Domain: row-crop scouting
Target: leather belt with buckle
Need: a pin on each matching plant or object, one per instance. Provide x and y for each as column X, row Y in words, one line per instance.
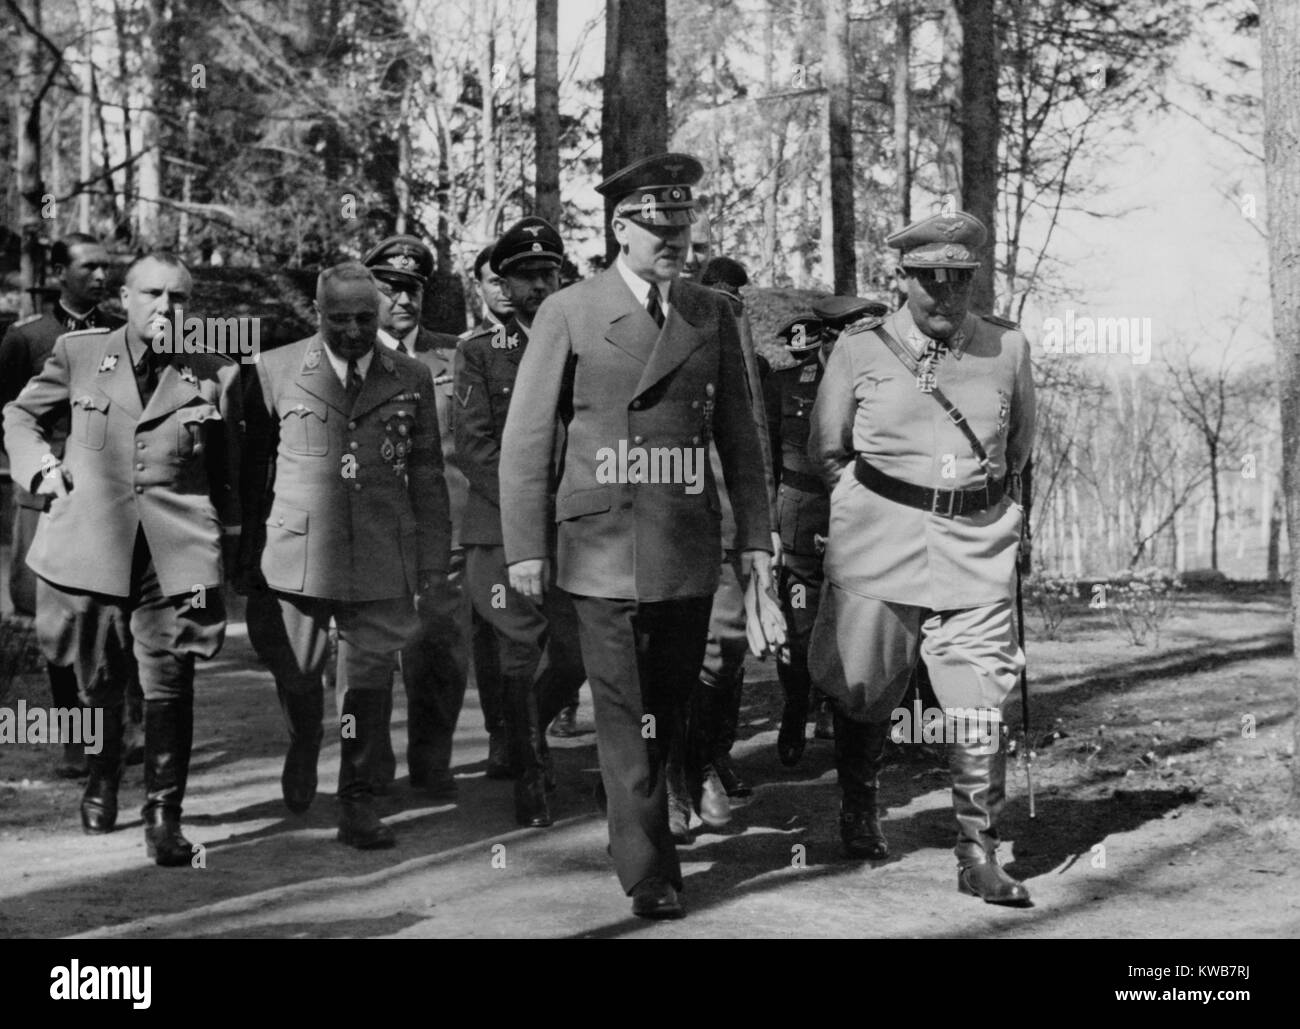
column 946, row 503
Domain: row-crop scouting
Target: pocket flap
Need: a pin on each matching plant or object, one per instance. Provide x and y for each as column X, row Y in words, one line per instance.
column 304, row 406
column 583, row 502
column 199, row 413
column 290, row 519
column 86, row 401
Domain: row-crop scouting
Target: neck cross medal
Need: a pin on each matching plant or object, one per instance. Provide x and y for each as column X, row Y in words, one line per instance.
column 925, row 373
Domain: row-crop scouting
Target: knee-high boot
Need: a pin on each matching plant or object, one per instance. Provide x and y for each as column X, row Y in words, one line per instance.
column 360, row 754
column 725, row 739
column 99, row 802
column 63, row 692
column 792, row 738
column 859, row 747
column 979, row 776
column 302, row 712
column 168, row 739
column 527, row 751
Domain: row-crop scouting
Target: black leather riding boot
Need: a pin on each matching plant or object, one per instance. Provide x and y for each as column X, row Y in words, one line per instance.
column 792, row 738
column 725, row 739
column 99, row 802
column 302, row 718
column 362, row 747
column 979, row 772
column 527, row 751
column 859, row 748
column 168, row 739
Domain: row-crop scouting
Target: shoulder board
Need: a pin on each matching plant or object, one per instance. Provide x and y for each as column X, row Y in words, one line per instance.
column 27, row 321
column 1004, row 322
column 98, row 330
column 866, row 324
column 482, row 332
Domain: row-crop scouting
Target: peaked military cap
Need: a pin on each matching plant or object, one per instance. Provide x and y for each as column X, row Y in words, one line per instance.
column 943, row 241
column 837, row 312
column 655, row 190
column 801, row 334
column 401, row 259
column 529, row 239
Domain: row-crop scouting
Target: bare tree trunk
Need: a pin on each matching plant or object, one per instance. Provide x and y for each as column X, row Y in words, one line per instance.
column 124, row 77
column 1279, row 35
column 87, row 117
column 1273, row 572
column 28, row 159
column 1216, row 504
column 150, row 192
column 902, row 110
column 487, row 124
column 979, row 132
column 950, row 91
column 634, row 121
column 402, row 180
column 775, row 153
column 839, row 108
column 548, row 111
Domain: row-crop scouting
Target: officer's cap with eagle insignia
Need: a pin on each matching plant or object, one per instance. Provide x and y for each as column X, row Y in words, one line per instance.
column 402, row 260
column 655, row 190
column 942, row 241
column 529, row 240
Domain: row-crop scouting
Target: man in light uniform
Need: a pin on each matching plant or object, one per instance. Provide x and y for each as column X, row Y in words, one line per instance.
column 922, row 425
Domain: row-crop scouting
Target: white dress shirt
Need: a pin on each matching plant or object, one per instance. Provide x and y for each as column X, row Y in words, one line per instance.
column 641, row 288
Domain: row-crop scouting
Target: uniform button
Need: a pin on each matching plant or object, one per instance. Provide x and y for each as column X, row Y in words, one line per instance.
column 281, row 521
column 357, row 487
column 636, row 405
column 695, row 403
column 695, row 440
column 139, row 467
column 139, row 489
column 638, row 439
column 352, row 425
column 140, row 445
column 353, row 444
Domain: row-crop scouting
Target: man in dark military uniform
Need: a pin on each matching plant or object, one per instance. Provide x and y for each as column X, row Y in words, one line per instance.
column 434, row 665
column 541, row 662
column 922, row 426
column 80, row 264
column 344, row 472
column 802, row 504
column 494, row 309
column 642, row 370
column 144, row 500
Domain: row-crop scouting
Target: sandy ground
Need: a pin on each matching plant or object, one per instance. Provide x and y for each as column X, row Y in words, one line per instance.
column 1156, row 817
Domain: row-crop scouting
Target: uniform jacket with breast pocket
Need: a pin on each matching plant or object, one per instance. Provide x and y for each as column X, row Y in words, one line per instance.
column 170, row 468
column 634, row 399
column 351, row 499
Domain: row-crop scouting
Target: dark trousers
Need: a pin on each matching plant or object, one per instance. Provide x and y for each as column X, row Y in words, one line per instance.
column 87, row 630
column 536, row 643
column 642, row 660
column 434, row 672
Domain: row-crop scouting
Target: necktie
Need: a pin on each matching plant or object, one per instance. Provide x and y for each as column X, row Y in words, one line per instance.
column 146, row 376
column 353, row 388
column 653, row 307
column 401, row 348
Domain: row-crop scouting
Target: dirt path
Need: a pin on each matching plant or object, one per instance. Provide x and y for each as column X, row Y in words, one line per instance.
column 1156, row 817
